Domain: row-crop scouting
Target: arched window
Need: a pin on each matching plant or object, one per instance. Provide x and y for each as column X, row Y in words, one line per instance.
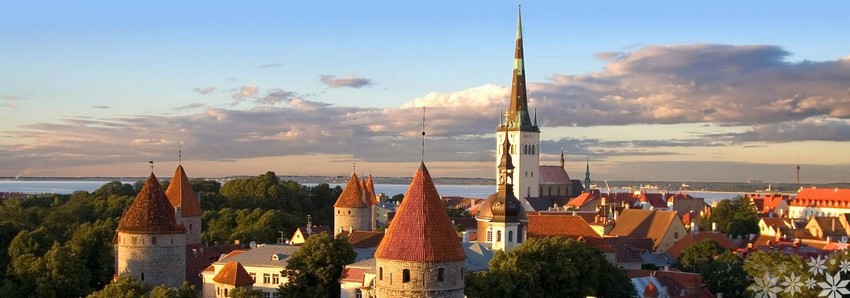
column 225, row 292
column 489, row 235
column 510, row 236
column 381, row 273
column 498, row 236
column 440, row 273
column 405, row 275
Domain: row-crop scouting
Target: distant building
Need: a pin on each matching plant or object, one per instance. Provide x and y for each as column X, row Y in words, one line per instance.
column 820, row 202
column 663, row 227
column 353, row 209
column 771, row 204
column 302, row 233
column 543, row 224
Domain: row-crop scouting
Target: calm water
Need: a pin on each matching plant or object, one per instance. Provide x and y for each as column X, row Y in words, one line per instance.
column 473, row 191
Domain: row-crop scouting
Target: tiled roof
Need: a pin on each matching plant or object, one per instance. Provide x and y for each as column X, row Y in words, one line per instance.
column 150, row 212
column 543, row 203
column 644, row 223
column 200, row 258
column 263, row 254
column 823, row 197
column 370, row 185
column 366, row 193
column 656, row 200
column 467, row 223
column 676, row 283
column 365, row 239
column 629, row 249
column 582, row 199
column 180, row 194
column 421, row 230
column 676, row 250
column 233, row 274
column 352, row 195
column 553, row 175
column 477, row 257
column 353, row 274
column 567, row 226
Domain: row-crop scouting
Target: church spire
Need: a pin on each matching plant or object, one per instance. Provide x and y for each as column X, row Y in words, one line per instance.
column 562, row 157
column 587, row 176
column 518, row 110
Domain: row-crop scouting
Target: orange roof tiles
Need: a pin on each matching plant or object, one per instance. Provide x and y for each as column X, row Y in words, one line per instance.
column 822, row 197
column 567, row 226
column 352, row 195
column 150, row 212
column 582, row 199
column 234, row 274
column 421, row 230
column 353, row 274
column 370, row 185
column 644, row 223
column 365, row 239
column 180, row 194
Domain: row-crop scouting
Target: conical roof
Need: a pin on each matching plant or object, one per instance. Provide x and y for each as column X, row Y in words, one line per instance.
column 233, row 273
column 421, row 230
column 180, row 194
column 352, row 195
column 370, row 184
column 150, row 213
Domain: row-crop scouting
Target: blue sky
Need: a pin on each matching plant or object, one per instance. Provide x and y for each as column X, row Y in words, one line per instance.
column 65, row 62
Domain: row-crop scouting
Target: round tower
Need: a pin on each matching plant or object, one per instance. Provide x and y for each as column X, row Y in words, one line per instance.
column 350, row 210
column 149, row 244
column 187, row 207
column 421, row 254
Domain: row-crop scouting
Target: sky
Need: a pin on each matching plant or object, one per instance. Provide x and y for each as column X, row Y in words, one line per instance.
column 648, row 90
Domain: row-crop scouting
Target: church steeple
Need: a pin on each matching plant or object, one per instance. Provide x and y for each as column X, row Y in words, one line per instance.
column 562, row 157
column 587, row 176
column 518, row 114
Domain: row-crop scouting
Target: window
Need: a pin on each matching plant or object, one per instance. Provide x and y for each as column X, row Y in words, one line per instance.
column 153, row 240
column 498, row 236
column 190, row 227
column 405, row 275
column 275, row 278
column 358, row 294
column 381, row 273
column 440, row 273
column 225, row 292
column 267, row 278
column 349, row 211
column 391, row 278
column 172, row 240
column 217, row 291
column 510, row 236
column 489, row 235
column 143, row 276
column 253, row 276
column 267, row 295
column 676, row 235
column 275, row 294
column 134, row 239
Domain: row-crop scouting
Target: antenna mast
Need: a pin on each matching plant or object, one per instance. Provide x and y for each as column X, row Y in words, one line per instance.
column 423, row 134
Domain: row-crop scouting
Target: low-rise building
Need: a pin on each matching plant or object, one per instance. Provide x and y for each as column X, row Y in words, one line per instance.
column 663, row 227
column 820, row 202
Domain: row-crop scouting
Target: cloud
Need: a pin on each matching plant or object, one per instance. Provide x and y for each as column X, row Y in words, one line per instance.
column 10, row 105
column 190, row 106
column 349, row 81
column 204, row 90
column 100, row 107
column 270, row 65
column 244, row 93
column 811, row 129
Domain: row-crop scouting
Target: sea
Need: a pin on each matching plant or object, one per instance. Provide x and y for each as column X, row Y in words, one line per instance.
column 469, row 191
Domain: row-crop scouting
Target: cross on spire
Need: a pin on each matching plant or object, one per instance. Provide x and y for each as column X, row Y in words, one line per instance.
column 151, row 165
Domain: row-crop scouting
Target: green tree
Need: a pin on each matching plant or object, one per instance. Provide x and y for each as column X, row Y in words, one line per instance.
column 721, row 271
column 162, row 291
column 241, row 292
column 778, row 264
column 125, row 287
column 699, row 254
column 314, row 270
column 737, row 216
column 550, row 267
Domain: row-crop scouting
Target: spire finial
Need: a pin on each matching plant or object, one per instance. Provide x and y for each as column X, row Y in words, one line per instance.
column 562, row 156
column 535, row 116
column 423, row 134
column 151, row 164
column 179, row 154
column 354, row 167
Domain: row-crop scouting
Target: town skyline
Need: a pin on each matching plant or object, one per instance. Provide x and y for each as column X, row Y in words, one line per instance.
column 725, row 97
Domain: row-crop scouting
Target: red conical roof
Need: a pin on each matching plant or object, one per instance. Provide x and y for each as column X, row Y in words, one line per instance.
column 180, row 194
column 352, row 195
column 234, row 274
column 370, row 184
column 421, row 229
column 150, row 213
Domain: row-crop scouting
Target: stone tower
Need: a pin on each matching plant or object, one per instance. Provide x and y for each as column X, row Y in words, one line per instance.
column 421, row 254
column 351, row 210
column 187, row 207
column 149, row 244
column 499, row 215
column 524, row 134
column 373, row 202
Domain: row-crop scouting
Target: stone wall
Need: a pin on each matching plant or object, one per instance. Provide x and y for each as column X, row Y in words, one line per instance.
column 193, row 229
column 152, row 258
column 358, row 218
column 423, row 282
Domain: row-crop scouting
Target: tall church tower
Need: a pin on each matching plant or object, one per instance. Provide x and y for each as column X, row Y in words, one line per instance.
column 524, row 135
column 420, row 254
column 187, row 208
column 150, row 245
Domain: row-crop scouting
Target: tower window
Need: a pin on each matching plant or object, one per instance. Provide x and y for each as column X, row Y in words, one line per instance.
column 405, row 275
column 143, row 276
column 381, row 273
column 498, row 236
column 190, row 227
column 510, row 236
column 153, row 240
column 440, row 273
column 489, row 235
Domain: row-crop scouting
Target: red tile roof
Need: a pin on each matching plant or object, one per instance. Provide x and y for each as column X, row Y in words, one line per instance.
column 352, row 195
column 553, row 175
column 567, row 226
column 644, row 223
column 766, row 202
column 582, row 199
column 823, row 197
column 180, row 194
column 353, row 274
column 676, row 282
column 365, row 239
column 676, row 250
column 370, row 185
column 234, row 274
column 421, row 230
column 367, row 194
column 150, row 212
column 656, row 200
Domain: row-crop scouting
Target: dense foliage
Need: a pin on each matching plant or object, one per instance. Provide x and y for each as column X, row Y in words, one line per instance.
column 721, row 270
column 737, row 216
column 61, row 245
column 550, row 267
column 314, row 270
